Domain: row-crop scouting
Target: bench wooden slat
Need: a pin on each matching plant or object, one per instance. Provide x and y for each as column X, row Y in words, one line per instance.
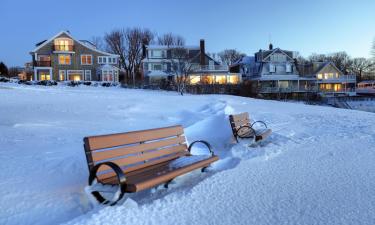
column 123, row 151
column 241, row 117
column 148, row 155
column 109, row 173
column 114, row 140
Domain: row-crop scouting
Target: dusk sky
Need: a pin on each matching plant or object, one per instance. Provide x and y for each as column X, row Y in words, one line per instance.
column 321, row 26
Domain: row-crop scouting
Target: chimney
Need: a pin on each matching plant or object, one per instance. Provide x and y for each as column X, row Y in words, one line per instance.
column 270, row 46
column 144, row 51
column 202, row 53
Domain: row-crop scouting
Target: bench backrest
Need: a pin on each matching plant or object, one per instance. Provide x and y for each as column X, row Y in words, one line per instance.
column 135, row 150
column 239, row 120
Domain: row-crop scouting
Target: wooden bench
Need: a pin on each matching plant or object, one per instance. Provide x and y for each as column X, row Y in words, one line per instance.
column 243, row 128
column 139, row 160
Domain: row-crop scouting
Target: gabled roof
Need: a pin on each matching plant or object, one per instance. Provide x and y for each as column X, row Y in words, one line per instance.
column 69, row 35
column 325, row 64
column 275, row 50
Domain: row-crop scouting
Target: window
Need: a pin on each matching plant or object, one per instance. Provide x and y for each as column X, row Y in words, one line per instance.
column 62, row 75
column 195, row 79
column 221, row 79
column 75, row 75
column 86, row 59
column 63, row 44
column 157, row 53
column 64, row 59
column 156, row 67
column 107, row 75
column 233, row 79
column 288, row 68
column 114, row 60
column 87, row 74
column 320, row 76
column 272, row 68
column 44, row 75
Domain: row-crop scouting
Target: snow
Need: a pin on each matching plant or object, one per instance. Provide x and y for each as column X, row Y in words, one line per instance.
column 317, row 167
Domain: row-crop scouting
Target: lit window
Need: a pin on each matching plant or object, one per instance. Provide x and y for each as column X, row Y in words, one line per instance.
column 233, row 79
column 64, row 59
column 63, row 44
column 195, row 79
column 61, row 75
column 207, row 79
column 320, row 76
column 44, row 75
column 75, row 75
column 86, row 59
column 220, row 79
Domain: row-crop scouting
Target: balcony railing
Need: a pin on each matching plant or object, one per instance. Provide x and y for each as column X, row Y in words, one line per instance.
column 342, row 78
column 210, row 68
column 68, row 48
column 287, row 90
column 43, row 63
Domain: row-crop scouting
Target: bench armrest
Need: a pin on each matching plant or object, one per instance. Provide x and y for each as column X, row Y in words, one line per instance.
column 205, row 143
column 121, row 179
column 245, row 126
column 259, row 122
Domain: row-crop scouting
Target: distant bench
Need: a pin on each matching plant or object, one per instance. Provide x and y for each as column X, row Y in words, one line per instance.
column 139, row 160
column 243, row 128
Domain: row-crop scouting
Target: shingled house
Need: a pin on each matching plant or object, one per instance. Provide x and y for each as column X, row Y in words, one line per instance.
column 64, row 58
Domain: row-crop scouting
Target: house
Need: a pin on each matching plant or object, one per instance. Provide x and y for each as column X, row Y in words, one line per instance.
column 329, row 79
column 273, row 71
column 158, row 64
column 64, row 58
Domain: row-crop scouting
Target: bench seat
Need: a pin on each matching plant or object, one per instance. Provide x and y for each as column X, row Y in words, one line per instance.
column 163, row 172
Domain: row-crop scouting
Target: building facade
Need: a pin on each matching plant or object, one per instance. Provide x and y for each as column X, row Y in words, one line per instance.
column 276, row 71
column 160, row 61
column 63, row 58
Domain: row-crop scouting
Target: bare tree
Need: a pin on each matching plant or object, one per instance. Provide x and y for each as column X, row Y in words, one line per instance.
column 230, row 56
column 128, row 44
column 341, row 60
column 98, row 42
column 116, row 44
column 360, row 65
column 181, row 67
column 170, row 39
column 373, row 49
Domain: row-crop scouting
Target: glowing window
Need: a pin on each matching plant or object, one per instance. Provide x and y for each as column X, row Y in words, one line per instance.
column 64, row 59
column 233, row 79
column 195, row 79
column 220, row 79
column 320, row 76
column 86, row 59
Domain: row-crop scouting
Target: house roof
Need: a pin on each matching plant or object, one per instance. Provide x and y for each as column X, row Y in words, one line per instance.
column 172, row 46
column 69, row 35
column 270, row 52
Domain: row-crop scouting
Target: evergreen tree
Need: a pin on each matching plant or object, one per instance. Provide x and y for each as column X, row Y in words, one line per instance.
column 3, row 69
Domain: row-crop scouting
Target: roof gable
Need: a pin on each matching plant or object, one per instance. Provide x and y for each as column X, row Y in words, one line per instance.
column 67, row 34
column 326, row 65
column 278, row 50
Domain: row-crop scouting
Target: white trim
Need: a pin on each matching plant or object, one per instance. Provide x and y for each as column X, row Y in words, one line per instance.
column 92, row 57
column 65, row 77
column 273, row 52
column 82, row 72
column 42, row 68
column 86, row 74
column 66, row 33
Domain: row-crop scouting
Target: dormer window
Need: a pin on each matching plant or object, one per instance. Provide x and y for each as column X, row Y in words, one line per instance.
column 288, row 68
column 63, row 44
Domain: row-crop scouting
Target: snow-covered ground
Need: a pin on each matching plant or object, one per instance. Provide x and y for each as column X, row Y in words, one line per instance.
column 366, row 105
column 316, row 168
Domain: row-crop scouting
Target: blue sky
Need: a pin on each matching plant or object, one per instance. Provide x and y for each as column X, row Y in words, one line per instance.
column 320, row 26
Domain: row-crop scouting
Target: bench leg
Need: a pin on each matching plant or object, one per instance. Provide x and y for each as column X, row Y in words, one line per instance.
column 167, row 184
column 204, row 169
